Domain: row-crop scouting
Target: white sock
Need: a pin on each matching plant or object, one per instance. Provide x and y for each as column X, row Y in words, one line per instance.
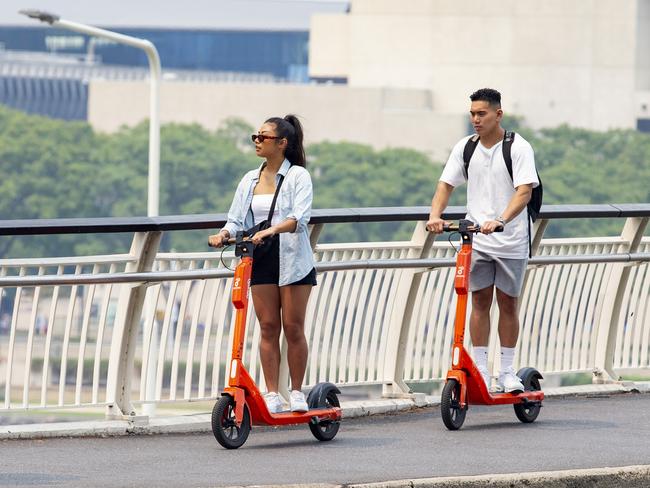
column 507, row 358
column 481, row 356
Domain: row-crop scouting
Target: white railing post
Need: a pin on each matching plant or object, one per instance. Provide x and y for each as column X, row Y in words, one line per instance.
column 314, row 234
column 401, row 315
column 539, row 227
column 608, row 322
column 129, row 311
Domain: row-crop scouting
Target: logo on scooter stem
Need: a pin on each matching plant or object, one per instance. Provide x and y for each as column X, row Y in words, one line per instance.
column 236, row 285
column 460, row 271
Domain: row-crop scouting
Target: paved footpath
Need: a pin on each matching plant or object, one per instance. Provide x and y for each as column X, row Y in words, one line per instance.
column 570, row 433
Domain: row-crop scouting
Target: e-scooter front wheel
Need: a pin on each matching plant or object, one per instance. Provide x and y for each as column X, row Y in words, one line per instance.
column 527, row 412
column 453, row 415
column 225, row 428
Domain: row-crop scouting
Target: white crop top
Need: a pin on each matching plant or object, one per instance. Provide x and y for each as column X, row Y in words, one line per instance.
column 261, row 205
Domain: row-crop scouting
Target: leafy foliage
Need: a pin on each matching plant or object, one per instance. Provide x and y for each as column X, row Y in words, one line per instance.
column 55, row 169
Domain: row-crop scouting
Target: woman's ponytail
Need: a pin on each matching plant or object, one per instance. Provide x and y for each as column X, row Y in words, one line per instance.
column 290, row 128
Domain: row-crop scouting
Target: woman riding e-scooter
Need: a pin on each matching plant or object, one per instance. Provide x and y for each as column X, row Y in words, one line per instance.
column 283, row 266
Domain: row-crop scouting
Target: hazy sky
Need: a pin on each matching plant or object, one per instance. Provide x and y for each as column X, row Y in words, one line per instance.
column 251, row 14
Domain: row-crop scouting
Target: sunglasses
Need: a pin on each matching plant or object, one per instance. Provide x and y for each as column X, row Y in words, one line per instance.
column 262, row 137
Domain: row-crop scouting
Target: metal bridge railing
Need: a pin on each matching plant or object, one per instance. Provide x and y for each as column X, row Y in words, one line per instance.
column 144, row 327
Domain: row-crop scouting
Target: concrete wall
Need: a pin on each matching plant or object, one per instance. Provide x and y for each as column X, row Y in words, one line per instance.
column 643, row 46
column 555, row 61
column 331, row 54
column 380, row 117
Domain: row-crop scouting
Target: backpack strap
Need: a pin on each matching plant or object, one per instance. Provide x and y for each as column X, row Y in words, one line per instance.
column 506, row 147
column 508, row 139
column 470, row 147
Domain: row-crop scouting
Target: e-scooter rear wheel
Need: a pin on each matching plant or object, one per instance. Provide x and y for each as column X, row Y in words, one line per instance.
column 527, row 412
column 225, row 428
column 324, row 430
column 453, row 415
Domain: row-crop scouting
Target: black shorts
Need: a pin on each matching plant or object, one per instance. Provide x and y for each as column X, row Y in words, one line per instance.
column 266, row 267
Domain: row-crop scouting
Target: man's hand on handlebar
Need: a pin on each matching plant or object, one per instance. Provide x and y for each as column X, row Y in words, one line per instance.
column 436, row 225
column 490, row 226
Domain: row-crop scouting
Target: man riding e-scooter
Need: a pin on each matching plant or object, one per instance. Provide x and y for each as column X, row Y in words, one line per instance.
column 496, row 197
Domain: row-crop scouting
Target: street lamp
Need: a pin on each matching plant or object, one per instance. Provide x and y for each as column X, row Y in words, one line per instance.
column 154, row 96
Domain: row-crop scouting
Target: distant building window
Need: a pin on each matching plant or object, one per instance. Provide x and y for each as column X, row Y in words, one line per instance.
column 329, row 80
column 643, row 125
column 61, row 43
column 298, row 73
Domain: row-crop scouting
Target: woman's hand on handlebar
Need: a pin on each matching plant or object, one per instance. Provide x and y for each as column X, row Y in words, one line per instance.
column 490, row 226
column 217, row 240
column 436, row 225
column 259, row 237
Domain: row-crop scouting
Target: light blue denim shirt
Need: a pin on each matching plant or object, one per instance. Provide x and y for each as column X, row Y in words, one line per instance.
column 294, row 202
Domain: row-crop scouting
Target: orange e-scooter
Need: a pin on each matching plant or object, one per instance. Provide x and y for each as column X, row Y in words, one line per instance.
column 464, row 385
column 241, row 404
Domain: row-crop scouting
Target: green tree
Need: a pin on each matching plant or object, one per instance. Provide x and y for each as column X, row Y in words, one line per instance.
column 56, row 169
column 355, row 175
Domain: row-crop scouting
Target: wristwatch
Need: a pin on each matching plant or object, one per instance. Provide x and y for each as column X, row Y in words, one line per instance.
column 501, row 220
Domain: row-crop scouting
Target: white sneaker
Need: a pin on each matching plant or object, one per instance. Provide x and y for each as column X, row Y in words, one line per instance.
column 510, row 382
column 273, row 402
column 486, row 377
column 297, row 401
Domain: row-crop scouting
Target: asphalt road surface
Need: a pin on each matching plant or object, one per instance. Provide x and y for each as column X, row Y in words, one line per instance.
column 569, row 433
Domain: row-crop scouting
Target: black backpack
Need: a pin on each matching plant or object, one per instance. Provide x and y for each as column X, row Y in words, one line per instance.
column 535, row 203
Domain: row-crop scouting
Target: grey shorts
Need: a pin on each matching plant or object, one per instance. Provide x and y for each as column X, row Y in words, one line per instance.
column 506, row 274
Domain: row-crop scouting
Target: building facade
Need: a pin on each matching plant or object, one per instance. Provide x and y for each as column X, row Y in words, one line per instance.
column 580, row 62
column 398, row 74
column 281, row 54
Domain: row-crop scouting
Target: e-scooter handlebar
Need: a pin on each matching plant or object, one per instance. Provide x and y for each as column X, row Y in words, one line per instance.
column 474, row 228
column 455, row 228
column 229, row 241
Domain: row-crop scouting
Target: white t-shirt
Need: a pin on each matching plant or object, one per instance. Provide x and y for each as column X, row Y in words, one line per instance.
column 261, row 205
column 490, row 189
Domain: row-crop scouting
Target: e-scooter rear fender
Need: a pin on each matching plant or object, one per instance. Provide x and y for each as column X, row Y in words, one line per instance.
column 318, row 394
column 317, row 401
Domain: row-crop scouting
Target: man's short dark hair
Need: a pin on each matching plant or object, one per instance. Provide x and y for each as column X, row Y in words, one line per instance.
column 489, row 95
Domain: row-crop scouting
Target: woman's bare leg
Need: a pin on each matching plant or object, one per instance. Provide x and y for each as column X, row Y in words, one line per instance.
column 294, row 300
column 266, row 301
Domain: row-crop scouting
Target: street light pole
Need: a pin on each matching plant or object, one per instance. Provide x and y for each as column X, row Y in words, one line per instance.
column 154, row 94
